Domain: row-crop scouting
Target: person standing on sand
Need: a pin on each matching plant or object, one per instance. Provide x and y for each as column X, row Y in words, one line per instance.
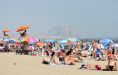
column 25, row 48
column 78, row 45
column 98, row 51
column 94, row 45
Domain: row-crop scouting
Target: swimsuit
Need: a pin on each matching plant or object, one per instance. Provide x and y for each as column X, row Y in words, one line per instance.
column 111, row 68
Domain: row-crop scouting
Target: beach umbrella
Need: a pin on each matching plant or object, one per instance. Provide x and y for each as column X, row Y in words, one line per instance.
column 9, row 41
column 105, row 42
column 22, row 28
column 31, row 40
column 115, row 45
column 6, row 30
column 6, row 40
column 49, row 40
column 15, row 39
column 40, row 44
column 62, row 41
column 73, row 40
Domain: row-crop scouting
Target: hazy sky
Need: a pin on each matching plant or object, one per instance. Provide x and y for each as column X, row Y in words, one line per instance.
column 96, row 18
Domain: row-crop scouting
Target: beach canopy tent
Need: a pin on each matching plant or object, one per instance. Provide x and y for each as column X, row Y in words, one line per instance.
column 105, row 42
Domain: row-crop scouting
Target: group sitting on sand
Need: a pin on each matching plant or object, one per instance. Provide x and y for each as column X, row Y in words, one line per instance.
column 61, row 57
column 73, row 55
column 110, row 67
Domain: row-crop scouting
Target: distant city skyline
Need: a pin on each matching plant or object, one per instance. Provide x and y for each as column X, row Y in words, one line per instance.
column 82, row 18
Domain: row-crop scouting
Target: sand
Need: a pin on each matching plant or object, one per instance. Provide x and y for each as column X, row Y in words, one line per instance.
column 12, row 64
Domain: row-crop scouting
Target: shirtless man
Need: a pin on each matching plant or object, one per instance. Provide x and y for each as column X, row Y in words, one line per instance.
column 78, row 45
column 94, row 45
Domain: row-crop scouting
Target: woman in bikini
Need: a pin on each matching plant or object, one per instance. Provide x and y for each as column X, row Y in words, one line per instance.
column 112, row 64
column 54, row 60
column 68, row 59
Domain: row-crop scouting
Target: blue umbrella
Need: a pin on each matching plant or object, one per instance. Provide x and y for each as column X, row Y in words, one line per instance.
column 9, row 41
column 49, row 40
column 62, row 41
column 105, row 42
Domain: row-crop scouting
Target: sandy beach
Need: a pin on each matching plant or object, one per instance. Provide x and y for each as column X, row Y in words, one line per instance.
column 59, row 37
column 12, row 64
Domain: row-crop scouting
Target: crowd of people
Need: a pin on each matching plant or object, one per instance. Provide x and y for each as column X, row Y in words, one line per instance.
column 70, row 56
column 68, row 53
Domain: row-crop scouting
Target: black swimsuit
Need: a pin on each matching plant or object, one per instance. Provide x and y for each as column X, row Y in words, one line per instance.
column 111, row 68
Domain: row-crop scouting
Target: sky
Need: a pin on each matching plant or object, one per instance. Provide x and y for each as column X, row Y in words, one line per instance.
column 92, row 18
